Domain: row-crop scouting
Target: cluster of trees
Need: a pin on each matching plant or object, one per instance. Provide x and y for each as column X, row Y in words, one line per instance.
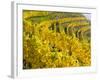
column 55, row 39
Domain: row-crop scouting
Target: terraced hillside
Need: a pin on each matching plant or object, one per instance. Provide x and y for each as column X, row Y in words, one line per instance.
column 55, row 39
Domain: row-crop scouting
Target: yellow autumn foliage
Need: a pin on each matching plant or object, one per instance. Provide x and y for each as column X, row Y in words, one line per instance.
column 55, row 39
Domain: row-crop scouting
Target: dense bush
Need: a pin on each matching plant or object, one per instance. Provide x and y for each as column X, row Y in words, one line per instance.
column 55, row 39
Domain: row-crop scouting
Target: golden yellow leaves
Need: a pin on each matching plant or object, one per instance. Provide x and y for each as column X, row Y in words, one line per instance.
column 58, row 42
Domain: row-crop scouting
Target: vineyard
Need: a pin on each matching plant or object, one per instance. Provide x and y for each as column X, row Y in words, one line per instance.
column 55, row 39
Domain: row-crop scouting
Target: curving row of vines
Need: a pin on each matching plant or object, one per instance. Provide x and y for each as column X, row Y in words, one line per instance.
column 55, row 39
